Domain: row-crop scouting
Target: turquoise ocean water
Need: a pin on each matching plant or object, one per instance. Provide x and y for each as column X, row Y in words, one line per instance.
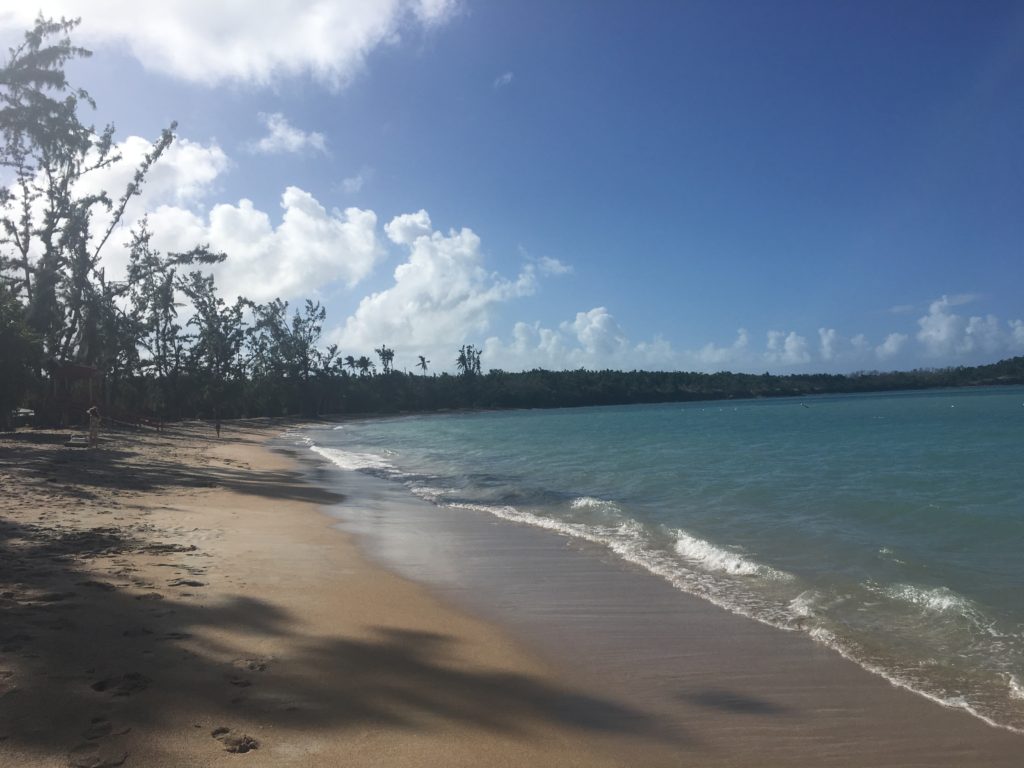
column 889, row 527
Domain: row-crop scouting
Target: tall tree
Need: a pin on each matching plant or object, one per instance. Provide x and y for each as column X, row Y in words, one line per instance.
column 219, row 335
column 387, row 357
column 51, row 251
column 468, row 361
column 422, row 364
column 18, row 351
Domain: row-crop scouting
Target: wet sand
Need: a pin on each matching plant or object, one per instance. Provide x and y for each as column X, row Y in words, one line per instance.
column 727, row 691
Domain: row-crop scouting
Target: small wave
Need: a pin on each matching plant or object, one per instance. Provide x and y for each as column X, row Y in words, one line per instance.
column 938, row 600
column 713, row 558
column 430, row 493
column 351, row 459
column 1015, row 686
column 830, row 640
column 803, row 605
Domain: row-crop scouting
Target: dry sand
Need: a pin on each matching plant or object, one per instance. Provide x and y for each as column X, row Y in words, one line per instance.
column 175, row 600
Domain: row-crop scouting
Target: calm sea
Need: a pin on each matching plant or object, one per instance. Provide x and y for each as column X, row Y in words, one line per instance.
column 889, row 527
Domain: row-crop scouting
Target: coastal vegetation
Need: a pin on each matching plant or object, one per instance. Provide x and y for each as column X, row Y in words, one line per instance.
column 164, row 343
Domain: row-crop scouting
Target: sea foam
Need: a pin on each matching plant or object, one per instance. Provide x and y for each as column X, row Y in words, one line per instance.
column 713, row 558
column 351, row 459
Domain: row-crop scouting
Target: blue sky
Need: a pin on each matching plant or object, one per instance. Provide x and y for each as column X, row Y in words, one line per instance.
column 756, row 186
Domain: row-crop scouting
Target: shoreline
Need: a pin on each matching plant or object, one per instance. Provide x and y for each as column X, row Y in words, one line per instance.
column 834, row 700
column 167, row 598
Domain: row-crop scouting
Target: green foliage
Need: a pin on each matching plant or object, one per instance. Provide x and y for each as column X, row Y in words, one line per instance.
column 19, row 353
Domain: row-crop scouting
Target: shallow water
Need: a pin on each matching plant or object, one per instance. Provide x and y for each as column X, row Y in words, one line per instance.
column 889, row 527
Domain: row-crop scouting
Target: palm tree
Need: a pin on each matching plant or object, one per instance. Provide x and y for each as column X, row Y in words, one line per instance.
column 386, row 357
column 350, row 363
column 468, row 361
column 365, row 365
column 423, row 364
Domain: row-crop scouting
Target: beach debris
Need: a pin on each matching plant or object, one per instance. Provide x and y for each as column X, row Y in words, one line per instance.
column 234, row 741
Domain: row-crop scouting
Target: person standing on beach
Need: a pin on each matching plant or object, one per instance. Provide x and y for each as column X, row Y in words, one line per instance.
column 94, row 426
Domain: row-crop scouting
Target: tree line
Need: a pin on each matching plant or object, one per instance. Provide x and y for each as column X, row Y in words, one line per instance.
column 163, row 343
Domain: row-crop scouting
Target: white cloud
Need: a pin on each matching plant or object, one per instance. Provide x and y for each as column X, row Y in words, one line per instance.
column 406, row 228
column 212, row 43
column 183, row 177
column 940, row 329
column 283, row 137
column 441, row 295
column 829, row 340
column 353, row 184
column 310, row 249
column 786, row 349
column 892, row 346
column 503, row 80
column 712, row 356
column 592, row 339
column 1016, row 334
column 550, row 266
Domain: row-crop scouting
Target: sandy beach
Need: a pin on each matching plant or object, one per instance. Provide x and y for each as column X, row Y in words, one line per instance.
column 173, row 599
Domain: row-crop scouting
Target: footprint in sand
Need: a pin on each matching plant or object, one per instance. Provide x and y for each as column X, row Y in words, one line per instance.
column 137, row 632
column 150, row 596
column 186, row 583
column 252, row 665
column 91, row 755
column 234, row 741
column 176, row 636
column 100, row 727
column 97, row 585
column 122, row 685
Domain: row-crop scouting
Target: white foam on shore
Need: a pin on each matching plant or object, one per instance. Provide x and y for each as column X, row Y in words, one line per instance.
column 1015, row 686
column 708, row 556
column 938, row 600
column 631, row 541
column 589, row 502
column 351, row 459
column 829, row 639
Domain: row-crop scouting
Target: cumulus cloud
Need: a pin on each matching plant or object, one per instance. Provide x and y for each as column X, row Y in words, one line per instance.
column 712, row 356
column 442, row 295
column 786, row 349
column 503, row 80
column 828, row 339
column 183, row 175
column 592, row 339
column 892, row 346
column 1017, row 334
column 943, row 332
column 408, row 227
column 212, row 43
column 283, row 137
column 311, row 247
